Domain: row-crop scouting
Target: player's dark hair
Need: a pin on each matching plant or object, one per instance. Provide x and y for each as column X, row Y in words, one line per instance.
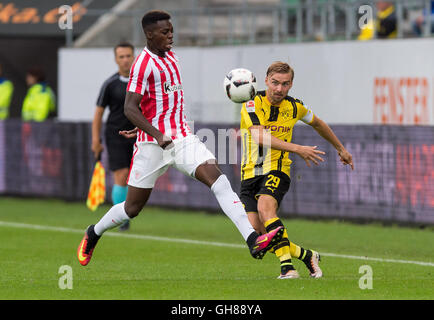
column 280, row 67
column 37, row 73
column 124, row 44
column 154, row 16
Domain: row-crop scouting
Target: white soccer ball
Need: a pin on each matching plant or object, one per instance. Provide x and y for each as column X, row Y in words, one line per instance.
column 240, row 85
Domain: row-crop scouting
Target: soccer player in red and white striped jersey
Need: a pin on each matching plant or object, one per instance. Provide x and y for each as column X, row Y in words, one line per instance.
column 154, row 103
column 158, row 80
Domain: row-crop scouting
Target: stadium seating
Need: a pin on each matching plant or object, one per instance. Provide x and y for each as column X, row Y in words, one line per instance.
column 216, row 22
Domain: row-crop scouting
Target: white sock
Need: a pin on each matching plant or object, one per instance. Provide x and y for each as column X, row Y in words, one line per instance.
column 113, row 218
column 231, row 205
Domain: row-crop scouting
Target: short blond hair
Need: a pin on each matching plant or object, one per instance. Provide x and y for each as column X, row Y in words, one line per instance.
column 280, row 67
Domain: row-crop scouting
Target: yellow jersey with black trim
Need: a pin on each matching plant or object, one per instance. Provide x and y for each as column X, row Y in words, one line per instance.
column 279, row 120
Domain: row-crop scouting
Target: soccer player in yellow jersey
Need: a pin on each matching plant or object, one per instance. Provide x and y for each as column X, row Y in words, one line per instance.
column 266, row 127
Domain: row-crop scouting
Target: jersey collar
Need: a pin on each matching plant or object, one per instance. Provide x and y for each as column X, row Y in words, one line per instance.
column 123, row 79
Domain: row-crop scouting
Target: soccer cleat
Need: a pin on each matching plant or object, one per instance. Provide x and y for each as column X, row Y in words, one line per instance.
column 291, row 274
column 265, row 242
column 87, row 244
column 313, row 265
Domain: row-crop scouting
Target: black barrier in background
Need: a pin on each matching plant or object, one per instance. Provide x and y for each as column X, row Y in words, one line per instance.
column 49, row 159
column 393, row 178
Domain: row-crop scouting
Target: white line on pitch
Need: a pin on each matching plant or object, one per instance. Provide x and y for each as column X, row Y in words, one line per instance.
column 190, row 241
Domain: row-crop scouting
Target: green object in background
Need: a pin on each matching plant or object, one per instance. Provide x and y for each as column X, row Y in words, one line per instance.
column 39, row 103
column 6, row 91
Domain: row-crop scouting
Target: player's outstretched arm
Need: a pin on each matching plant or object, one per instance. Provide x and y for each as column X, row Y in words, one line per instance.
column 132, row 112
column 327, row 133
column 263, row 138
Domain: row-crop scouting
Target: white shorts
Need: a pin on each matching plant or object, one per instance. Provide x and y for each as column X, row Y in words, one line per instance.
column 150, row 161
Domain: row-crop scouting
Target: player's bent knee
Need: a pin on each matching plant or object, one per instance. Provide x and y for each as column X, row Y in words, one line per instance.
column 133, row 209
column 208, row 172
column 267, row 205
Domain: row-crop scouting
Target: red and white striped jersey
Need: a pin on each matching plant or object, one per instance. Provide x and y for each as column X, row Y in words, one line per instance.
column 159, row 81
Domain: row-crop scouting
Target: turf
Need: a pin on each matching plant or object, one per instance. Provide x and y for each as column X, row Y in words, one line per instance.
column 137, row 268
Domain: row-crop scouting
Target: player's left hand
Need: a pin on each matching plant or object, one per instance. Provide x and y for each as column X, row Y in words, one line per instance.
column 346, row 158
column 129, row 134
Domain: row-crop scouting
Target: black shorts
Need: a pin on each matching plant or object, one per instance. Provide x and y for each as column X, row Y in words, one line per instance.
column 119, row 149
column 275, row 183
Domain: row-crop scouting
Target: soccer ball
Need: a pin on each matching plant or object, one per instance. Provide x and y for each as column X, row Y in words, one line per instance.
column 240, row 85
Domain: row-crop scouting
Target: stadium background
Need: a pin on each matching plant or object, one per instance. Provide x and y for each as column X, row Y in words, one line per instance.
column 377, row 96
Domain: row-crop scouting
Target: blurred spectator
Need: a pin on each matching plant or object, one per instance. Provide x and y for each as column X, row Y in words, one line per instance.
column 419, row 24
column 6, row 91
column 39, row 103
column 385, row 25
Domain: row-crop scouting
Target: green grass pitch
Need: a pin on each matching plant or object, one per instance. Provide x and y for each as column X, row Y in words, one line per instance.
column 37, row 237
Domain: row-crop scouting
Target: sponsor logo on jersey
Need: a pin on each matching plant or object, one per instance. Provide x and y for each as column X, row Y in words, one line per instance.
column 168, row 88
column 278, row 128
column 285, row 114
column 250, row 106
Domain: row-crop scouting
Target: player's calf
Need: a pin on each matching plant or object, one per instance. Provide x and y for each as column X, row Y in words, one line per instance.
column 136, row 200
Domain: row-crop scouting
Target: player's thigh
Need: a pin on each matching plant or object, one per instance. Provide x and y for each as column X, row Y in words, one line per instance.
column 147, row 165
column 190, row 153
column 273, row 188
column 267, row 207
column 275, row 184
column 248, row 191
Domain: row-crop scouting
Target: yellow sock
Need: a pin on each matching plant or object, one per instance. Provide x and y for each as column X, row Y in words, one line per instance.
column 268, row 228
column 283, row 253
column 270, row 221
column 281, row 250
column 295, row 251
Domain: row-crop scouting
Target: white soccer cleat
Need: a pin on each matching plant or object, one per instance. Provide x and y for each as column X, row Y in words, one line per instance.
column 291, row 274
column 313, row 265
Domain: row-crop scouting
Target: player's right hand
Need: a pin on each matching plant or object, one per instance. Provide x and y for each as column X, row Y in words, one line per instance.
column 346, row 158
column 165, row 142
column 97, row 148
column 309, row 153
